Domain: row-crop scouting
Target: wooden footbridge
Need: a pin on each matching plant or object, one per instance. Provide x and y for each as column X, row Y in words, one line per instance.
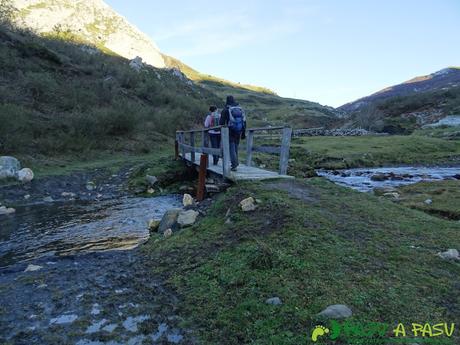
column 188, row 150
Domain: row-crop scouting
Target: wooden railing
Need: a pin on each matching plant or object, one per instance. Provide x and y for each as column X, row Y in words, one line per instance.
column 186, row 143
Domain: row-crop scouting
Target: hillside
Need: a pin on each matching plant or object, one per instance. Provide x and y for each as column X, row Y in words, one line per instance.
column 443, row 80
column 58, row 100
column 404, row 107
column 95, row 24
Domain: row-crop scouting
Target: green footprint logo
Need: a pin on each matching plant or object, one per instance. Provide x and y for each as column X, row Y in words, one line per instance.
column 318, row 332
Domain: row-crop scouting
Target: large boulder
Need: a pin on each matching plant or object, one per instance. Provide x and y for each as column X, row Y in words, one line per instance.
column 136, row 64
column 9, row 167
column 169, row 221
column 336, row 311
column 187, row 218
column 25, row 175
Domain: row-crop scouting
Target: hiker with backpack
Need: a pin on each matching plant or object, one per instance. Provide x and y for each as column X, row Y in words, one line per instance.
column 213, row 120
column 233, row 116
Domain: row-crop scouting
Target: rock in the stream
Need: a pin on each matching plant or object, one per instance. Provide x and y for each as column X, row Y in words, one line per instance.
column 154, row 224
column 248, row 204
column 169, row 220
column 188, row 200
column 274, row 301
column 187, row 218
column 151, row 180
column 336, row 311
column 150, row 191
column 450, row 254
column 68, row 195
column 90, row 185
column 6, row 210
column 48, row 199
column 25, row 175
column 33, row 268
column 9, row 167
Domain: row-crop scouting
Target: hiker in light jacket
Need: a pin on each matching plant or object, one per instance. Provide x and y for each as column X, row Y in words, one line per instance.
column 213, row 120
column 233, row 116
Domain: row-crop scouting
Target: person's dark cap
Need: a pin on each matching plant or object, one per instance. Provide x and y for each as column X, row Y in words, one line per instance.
column 212, row 108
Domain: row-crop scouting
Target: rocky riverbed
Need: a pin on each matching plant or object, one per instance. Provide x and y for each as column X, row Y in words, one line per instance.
column 71, row 271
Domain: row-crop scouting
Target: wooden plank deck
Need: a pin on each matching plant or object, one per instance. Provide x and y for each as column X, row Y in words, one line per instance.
column 243, row 173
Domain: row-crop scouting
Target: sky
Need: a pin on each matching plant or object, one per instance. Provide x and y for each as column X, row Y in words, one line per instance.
column 327, row 51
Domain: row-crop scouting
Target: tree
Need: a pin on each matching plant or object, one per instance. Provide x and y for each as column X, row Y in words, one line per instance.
column 370, row 118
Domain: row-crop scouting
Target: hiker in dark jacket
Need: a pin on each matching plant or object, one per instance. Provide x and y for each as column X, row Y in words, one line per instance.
column 233, row 116
column 212, row 120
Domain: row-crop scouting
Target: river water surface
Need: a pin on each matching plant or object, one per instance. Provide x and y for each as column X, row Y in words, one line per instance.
column 367, row 179
column 70, row 274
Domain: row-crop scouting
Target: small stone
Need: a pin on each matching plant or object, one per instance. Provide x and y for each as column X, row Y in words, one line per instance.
column 48, row 199
column 90, row 186
column 150, row 191
column 428, row 201
column 392, row 195
column 187, row 218
column 154, row 224
column 336, row 311
column 188, row 200
column 168, row 233
column 6, row 210
column 450, row 254
column 274, row 301
column 228, row 221
column 25, row 175
column 68, row 195
column 33, row 268
column 151, row 180
column 248, row 205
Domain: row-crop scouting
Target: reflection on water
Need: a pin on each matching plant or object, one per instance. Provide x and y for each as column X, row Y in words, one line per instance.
column 365, row 179
column 67, row 228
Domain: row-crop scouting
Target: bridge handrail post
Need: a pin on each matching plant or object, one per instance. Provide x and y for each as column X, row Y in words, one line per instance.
column 284, row 153
column 192, row 143
column 225, row 137
column 249, row 145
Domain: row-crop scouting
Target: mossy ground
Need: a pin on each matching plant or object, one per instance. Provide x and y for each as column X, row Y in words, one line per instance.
column 313, row 244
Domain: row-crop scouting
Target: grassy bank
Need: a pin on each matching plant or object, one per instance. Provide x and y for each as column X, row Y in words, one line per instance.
column 312, row 244
column 444, row 196
column 373, row 151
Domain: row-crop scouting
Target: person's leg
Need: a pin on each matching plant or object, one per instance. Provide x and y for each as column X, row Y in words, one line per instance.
column 216, row 158
column 233, row 158
column 237, row 143
column 215, row 143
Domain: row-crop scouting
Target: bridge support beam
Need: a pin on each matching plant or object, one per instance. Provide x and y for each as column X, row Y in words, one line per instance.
column 200, row 193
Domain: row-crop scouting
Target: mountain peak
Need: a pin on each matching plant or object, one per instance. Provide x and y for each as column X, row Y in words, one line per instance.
column 91, row 21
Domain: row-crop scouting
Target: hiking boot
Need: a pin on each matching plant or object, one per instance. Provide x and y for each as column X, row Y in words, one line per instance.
column 233, row 169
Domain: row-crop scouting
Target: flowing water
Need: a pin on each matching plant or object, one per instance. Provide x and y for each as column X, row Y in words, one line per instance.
column 367, row 179
column 69, row 275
